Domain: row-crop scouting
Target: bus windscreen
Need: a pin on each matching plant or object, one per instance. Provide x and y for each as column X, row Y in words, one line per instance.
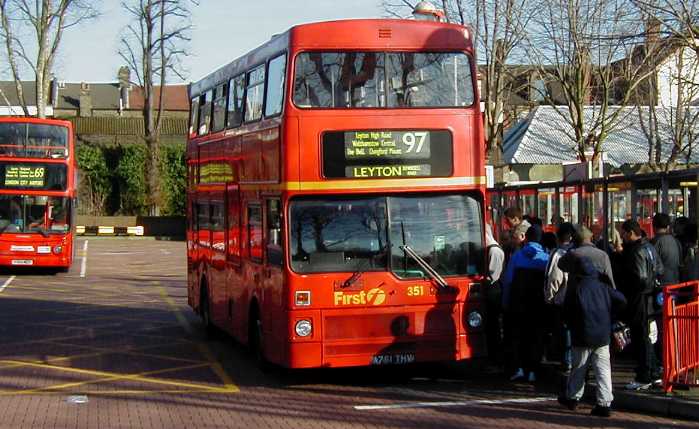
column 336, row 234
column 383, row 80
column 28, row 140
column 32, row 213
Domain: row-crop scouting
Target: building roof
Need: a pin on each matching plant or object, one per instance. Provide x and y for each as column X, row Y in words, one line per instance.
column 544, row 137
column 104, row 96
column 175, row 97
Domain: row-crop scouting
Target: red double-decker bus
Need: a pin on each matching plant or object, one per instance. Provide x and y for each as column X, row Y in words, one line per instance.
column 335, row 197
column 37, row 192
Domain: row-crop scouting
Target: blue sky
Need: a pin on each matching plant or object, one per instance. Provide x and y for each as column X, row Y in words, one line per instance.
column 223, row 30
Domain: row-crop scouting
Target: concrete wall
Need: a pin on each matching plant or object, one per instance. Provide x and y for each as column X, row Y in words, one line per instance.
column 157, row 226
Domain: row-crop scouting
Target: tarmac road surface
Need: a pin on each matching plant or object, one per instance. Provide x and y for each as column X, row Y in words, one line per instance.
column 113, row 344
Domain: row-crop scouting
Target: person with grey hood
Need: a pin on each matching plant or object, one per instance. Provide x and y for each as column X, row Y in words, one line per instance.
column 588, row 307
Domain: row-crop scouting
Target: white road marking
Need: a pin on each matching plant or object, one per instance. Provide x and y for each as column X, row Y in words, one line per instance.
column 165, row 252
column 7, row 283
column 83, row 266
column 453, row 403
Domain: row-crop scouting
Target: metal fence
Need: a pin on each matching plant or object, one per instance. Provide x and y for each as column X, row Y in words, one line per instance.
column 681, row 335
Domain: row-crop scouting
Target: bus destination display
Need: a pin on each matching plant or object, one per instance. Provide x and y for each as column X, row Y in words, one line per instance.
column 51, row 177
column 25, row 176
column 387, row 144
column 376, row 154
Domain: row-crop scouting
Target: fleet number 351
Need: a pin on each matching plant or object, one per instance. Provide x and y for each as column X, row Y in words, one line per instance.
column 416, row 290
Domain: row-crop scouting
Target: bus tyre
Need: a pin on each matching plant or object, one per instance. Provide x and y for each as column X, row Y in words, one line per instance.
column 205, row 312
column 257, row 342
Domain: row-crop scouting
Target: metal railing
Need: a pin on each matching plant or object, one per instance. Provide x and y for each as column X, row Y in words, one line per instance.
column 681, row 335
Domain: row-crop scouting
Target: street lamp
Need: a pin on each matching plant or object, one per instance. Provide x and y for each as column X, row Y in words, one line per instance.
column 426, row 11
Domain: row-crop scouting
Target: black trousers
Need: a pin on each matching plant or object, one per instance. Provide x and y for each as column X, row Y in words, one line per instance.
column 647, row 365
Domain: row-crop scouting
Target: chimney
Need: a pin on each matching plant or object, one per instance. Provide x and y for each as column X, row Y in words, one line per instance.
column 85, row 103
column 653, row 29
column 124, row 78
column 54, row 92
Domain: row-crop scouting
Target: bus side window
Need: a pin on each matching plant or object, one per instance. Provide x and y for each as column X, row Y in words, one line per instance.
column 194, row 117
column 219, row 116
column 255, row 232
column 217, row 226
column 202, row 215
column 275, row 86
column 236, row 90
column 205, row 112
column 254, row 94
column 273, row 233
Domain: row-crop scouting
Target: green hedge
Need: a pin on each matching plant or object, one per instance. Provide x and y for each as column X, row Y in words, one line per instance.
column 173, row 179
column 95, row 180
column 113, row 179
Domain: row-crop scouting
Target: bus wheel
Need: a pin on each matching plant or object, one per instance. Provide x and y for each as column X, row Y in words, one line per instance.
column 205, row 311
column 256, row 341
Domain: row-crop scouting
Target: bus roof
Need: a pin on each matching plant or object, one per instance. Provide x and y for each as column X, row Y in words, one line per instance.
column 33, row 120
column 387, row 34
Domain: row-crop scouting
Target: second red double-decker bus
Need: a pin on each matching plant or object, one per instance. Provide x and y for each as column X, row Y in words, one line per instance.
column 37, row 191
column 335, row 196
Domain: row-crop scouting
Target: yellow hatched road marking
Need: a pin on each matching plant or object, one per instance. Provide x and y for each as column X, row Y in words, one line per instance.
column 109, row 376
column 132, row 351
column 100, row 351
column 203, row 348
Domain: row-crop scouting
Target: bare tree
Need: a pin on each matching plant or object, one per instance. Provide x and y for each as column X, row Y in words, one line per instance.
column 595, row 52
column 500, row 29
column 679, row 19
column 46, row 20
column 670, row 119
column 153, row 47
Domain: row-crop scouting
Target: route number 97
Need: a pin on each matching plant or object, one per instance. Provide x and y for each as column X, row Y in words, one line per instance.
column 414, row 141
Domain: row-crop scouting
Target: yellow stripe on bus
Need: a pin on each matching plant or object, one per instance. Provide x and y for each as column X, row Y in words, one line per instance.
column 326, row 185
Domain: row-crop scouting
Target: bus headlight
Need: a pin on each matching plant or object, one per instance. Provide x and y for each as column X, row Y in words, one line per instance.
column 475, row 320
column 57, row 249
column 303, row 328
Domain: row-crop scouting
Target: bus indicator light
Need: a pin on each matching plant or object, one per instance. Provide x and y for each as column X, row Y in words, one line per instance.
column 303, row 298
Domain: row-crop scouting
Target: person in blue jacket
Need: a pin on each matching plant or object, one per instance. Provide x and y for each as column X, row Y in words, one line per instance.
column 523, row 303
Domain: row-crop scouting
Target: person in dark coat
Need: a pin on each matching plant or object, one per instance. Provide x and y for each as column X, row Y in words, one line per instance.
column 669, row 249
column 641, row 267
column 523, row 302
column 588, row 308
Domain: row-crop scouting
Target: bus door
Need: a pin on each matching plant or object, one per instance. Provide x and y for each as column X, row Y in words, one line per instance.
column 234, row 281
column 217, row 261
column 273, row 278
column 253, row 269
column 191, row 242
column 202, row 239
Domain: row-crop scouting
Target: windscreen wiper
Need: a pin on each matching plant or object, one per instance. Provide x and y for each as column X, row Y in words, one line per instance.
column 361, row 268
column 425, row 266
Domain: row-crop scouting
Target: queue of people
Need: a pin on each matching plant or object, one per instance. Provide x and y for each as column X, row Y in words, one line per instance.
column 571, row 286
